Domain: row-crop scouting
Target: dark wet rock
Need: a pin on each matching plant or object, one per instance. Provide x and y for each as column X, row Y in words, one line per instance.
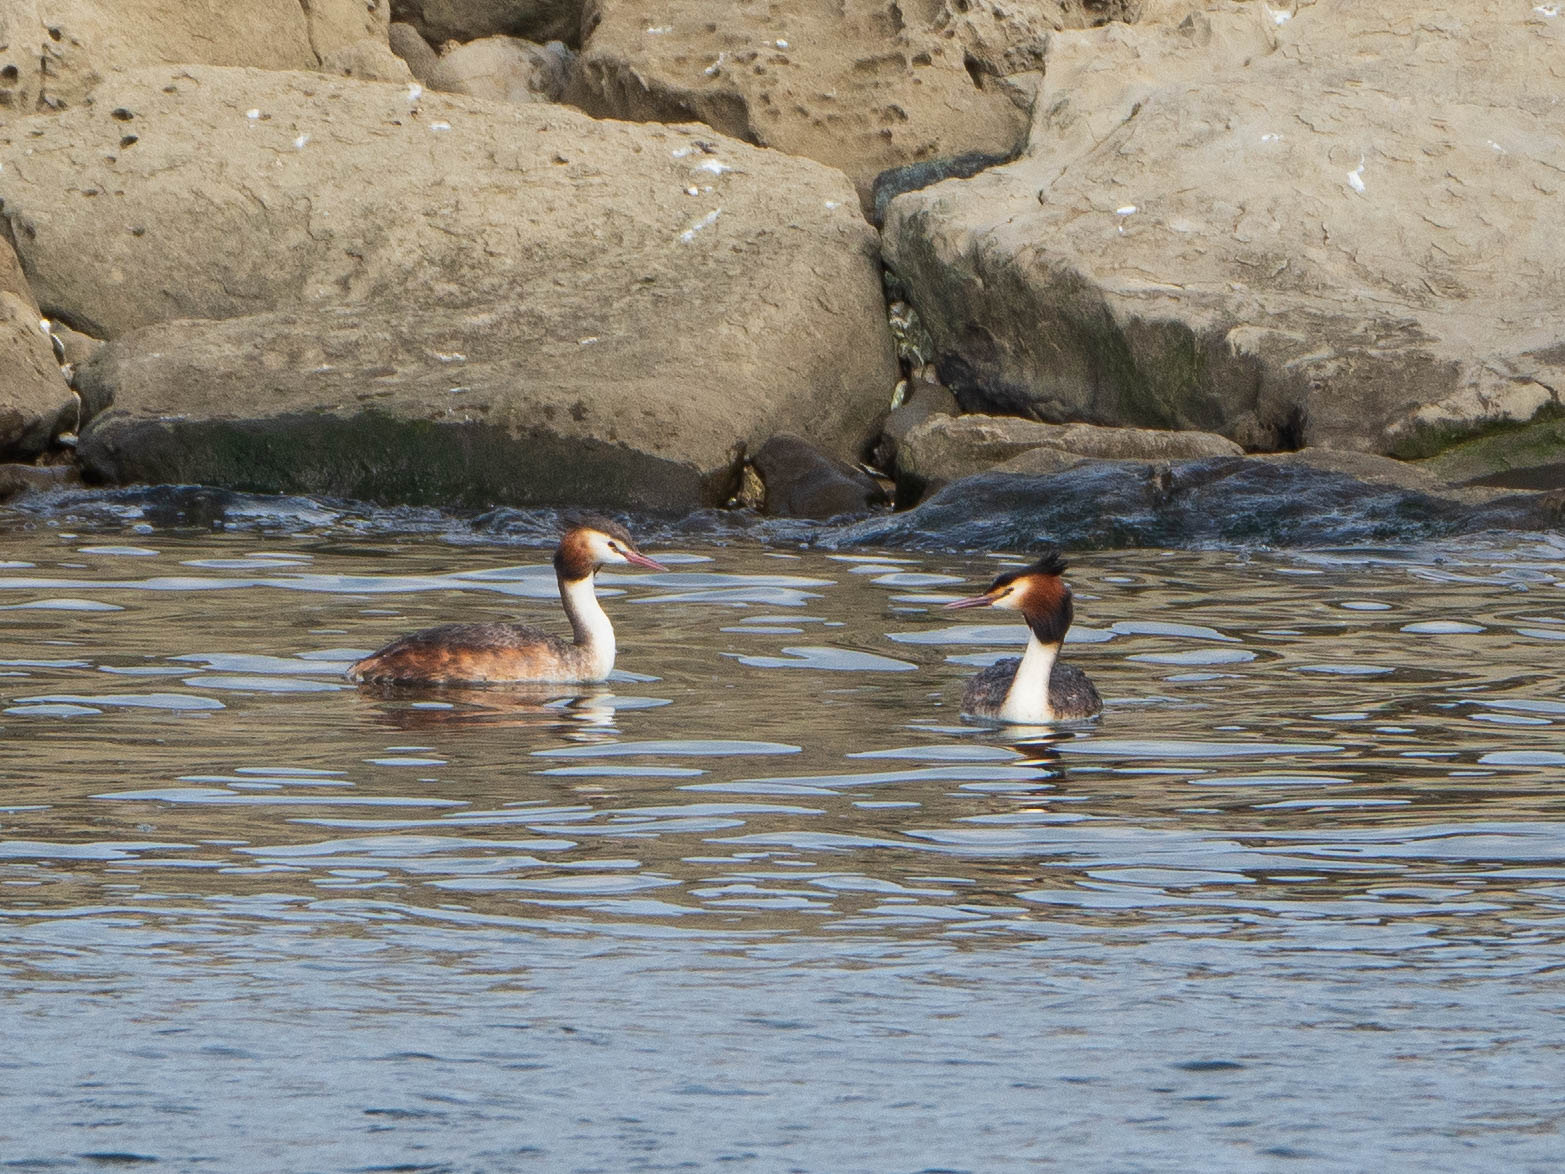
column 942, row 449
column 803, row 482
column 440, row 21
column 912, row 177
column 1226, row 501
column 1175, row 249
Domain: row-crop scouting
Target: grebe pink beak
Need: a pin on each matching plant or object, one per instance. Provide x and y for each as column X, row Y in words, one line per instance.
column 983, row 600
column 636, row 558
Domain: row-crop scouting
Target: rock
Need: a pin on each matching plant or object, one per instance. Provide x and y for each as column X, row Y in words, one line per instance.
column 74, row 348
column 52, row 53
column 912, row 177
column 1172, row 251
column 13, row 280
column 440, row 21
column 944, row 448
column 529, row 307
column 16, row 480
column 34, row 397
column 504, row 69
column 803, row 482
column 407, row 44
column 924, row 398
column 1520, row 458
column 1237, row 501
column 864, row 85
column 368, row 60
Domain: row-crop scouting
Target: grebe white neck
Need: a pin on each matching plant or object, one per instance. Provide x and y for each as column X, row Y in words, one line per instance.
column 590, row 623
column 1027, row 702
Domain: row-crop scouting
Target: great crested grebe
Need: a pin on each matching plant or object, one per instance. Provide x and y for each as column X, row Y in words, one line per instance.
column 1036, row 689
column 494, row 654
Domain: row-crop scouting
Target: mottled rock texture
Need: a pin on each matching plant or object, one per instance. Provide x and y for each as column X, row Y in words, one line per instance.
column 52, row 52
column 435, row 298
column 1332, row 226
column 863, row 85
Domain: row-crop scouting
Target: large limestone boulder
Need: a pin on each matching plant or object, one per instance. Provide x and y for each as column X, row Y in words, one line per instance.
column 52, row 52
column 863, row 85
column 1338, row 228
column 34, row 398
column 568, row 310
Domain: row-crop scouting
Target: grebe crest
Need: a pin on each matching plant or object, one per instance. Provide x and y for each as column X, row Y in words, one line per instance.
column 486, row 654
column 1035, row 689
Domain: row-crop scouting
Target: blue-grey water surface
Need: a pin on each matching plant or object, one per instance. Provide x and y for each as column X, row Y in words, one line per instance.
column 764, row 902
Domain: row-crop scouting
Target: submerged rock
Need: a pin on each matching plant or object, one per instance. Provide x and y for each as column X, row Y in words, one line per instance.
column 446, row 299
column 1228, row 501
column 1274, row 225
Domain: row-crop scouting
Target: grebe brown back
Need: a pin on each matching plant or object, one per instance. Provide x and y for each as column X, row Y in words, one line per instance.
column 492, row 654
column 1036, row 689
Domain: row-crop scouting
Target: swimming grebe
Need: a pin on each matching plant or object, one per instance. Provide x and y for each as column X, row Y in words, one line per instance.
column 489, row 654
column 1036, row 689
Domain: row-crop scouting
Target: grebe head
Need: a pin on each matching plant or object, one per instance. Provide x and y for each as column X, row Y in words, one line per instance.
column 1038, row 592
column 599, row 542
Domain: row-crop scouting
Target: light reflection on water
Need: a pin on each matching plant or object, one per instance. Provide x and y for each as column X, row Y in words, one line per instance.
column 763, row 899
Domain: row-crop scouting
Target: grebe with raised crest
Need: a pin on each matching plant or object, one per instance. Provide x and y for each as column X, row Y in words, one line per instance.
column 496, row 654
column 1036, row 689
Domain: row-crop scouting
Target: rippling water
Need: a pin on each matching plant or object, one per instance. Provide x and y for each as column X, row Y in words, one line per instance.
column 764, row 901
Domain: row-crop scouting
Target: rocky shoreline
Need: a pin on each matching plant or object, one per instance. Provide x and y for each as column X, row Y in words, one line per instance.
column 1095, row 271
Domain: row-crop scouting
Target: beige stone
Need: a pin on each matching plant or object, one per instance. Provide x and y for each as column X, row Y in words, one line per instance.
column 368, row 264
column 60, row 49
column 503, row 69
column 863, row 85
column 1287, row 225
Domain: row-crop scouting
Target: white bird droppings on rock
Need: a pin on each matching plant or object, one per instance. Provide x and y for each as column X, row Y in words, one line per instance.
column 1547, row 11
column 1271, row 137
column 299, row 142
column 451, row 356
column 833, row 204
column 712, row 70
column 439, row 126
column 588, row 341
column 252, row 115
column 1127, row 210
column 658, row 30
column 415, row 92
column 714, row 166
column 781, row 44
column 1356, row 177
column 705, row 222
